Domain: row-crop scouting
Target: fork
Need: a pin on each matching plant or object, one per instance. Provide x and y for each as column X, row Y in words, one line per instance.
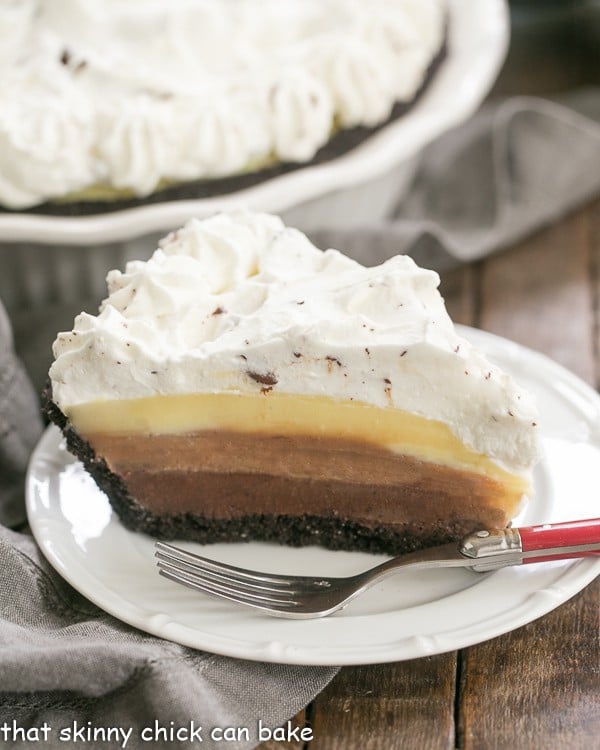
column 304, row 597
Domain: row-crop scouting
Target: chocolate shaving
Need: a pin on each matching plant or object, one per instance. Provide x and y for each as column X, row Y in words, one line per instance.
column 267, row 378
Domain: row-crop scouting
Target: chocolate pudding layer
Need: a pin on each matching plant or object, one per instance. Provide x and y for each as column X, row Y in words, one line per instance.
column 227, row 475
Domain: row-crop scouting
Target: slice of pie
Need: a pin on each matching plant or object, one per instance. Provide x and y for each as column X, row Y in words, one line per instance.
column 242, row 384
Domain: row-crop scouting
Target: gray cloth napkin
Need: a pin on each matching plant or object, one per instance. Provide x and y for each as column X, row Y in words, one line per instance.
column 513, row 168
column 68, row 664
column 20, row 427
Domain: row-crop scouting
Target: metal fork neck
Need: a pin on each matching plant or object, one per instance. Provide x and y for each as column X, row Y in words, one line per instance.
column 494, row 548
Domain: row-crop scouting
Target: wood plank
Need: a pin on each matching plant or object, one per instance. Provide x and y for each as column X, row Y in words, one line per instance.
column 388, row 707
column 594, row 241
column 553, row 48
column 460, row 290
column 538, row 687
column 539, row 294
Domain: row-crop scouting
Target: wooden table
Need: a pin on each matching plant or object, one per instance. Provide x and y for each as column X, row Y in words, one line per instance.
column 537, row 687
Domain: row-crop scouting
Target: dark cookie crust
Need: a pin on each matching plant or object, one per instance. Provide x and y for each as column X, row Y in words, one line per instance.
column 340, row 144
column 297, row 531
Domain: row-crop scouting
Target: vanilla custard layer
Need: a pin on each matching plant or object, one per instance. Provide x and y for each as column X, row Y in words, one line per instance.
column 289, row 415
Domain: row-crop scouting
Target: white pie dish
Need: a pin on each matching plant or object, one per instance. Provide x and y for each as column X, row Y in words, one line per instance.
column 362, row 186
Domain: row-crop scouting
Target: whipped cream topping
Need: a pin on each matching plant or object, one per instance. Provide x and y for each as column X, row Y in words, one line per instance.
column 240, row 303
column 129, row 94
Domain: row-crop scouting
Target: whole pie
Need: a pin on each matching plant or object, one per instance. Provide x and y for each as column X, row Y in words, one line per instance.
column 106, row 104
column 243, row 384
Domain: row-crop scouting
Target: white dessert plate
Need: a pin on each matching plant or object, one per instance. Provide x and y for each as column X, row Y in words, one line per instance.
column 477, row 43
column 408, row 616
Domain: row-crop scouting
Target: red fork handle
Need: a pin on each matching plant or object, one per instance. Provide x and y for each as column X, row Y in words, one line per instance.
column 560, row 541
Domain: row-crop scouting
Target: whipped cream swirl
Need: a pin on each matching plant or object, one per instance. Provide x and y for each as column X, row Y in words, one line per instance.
column 126, row 95
column 239, row 300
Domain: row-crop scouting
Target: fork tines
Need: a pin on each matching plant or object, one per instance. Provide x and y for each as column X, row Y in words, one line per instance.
column 263, row 591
